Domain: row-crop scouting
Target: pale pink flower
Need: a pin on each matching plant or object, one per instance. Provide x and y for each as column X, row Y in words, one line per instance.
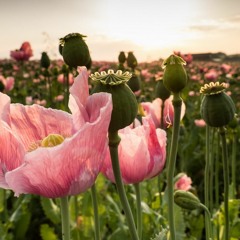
column 154, row 110
column 70, row 167
column 142, row 153
column 59, row 98
column 61, row 78
column 8, row 83
column 183, row 183
column 226, row 68
column 29, row 100
column 211, row 75
column 200, row 122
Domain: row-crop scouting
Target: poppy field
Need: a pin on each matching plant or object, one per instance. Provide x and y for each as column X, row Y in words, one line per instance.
column 118, row 150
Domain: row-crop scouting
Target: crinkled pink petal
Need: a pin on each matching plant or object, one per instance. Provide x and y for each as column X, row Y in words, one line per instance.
column 69, row 168
column 11, row 152
column 4, row 107
column 78, row 98
column 33, row 123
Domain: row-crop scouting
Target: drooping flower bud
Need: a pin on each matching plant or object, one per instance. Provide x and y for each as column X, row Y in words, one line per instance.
column 45, row 60
column 217, row 108
column 125, row 105
column 161, row 91
column 186, row 200
column 174, row 76
column 131, row 60
column 74, row 50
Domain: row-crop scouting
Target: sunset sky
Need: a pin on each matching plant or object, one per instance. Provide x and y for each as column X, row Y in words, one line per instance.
column 151, row 29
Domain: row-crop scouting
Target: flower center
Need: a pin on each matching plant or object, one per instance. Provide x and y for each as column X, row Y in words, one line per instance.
column 52, row 140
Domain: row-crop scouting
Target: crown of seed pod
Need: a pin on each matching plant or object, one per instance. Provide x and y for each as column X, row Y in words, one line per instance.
column 161, row 91
column 74, row 50
column 45, row 60
column 217, row 108
column 174, row 76
column 125, row 105
column 186, row 200
column 131, row 60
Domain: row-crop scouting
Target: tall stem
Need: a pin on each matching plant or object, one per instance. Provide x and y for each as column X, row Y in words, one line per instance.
column 206, row 179
column 65, row 218
column 95, row 210
column 114, row 141
column 208, row 218
column 139, row 209
column 226, row 181
column 177, row 103
column 234, row 154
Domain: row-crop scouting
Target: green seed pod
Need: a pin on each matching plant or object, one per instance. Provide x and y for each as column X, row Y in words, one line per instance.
column 134, row 83
column 122, row 58
column 186, row 200
column 125, row 105
column 217, row 108
column 74, row 50
column 234, row 123
column 174, row 76
column 131, row 60
column 161, row 91
column 45, row 60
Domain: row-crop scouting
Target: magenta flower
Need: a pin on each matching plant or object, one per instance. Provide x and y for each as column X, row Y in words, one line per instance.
column 22, row 54
column 142, row 153
column 50, row 152
column 154, row 110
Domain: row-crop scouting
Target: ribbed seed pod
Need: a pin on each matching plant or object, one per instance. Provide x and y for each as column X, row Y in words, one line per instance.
column 161, row 91
column 134, row 83
column 131, row 60
column 186, row 200
column 74, row 50
column 174, row 76
column 217, row 108
column 125, row 105
column 122, row 57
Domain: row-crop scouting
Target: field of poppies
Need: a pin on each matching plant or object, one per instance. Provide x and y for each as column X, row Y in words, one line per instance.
column 62, row 142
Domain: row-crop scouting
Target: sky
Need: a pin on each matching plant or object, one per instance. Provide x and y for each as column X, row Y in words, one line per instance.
column 152, row 29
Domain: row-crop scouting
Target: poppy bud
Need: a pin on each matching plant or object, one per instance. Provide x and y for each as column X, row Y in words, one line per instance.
column 174, row 76
column 217, row 108
column 125, row 105
column 45, row 60
column 186, row 200
column 74, row 50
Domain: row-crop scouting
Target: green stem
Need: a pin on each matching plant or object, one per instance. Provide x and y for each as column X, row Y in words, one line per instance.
column 65, row 218
column 139, row 209
column 206, row 179
column 177, row 102
column 208, row 217
column 226, row 181
column 234, row 154
column 95, row 210
column 114, row 140
column 211, row 170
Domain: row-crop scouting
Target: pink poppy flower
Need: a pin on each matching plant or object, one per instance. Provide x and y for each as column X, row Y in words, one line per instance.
column 211, row 75
column 154, row 110
column 200, row 122
column 50, row 152
column 183, row 183
column 61, row 78
column 8, row 83
column 142, row 153
column 22, row 54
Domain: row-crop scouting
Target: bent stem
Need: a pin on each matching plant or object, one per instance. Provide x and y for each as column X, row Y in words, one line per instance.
column 114, row 141
column 177, row 103
column 139, row 209
column 222, row 132
column 208, row 218
column 65, row 218
column 95, row 210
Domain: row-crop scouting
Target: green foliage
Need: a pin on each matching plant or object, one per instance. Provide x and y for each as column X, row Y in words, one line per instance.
column 47, row 233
